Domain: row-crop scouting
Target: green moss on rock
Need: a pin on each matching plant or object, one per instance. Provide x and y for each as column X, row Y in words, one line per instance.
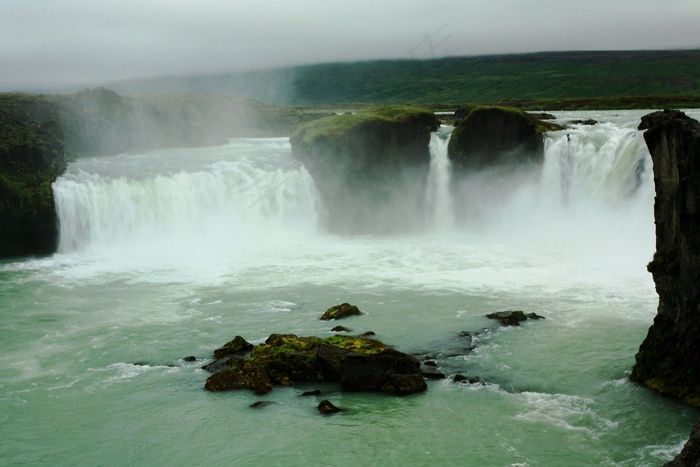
column 357, row 363
column 31, row 157
column 365, row 163
column 341, row 311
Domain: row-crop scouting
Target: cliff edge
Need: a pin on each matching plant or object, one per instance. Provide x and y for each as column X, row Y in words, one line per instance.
column 667, row 361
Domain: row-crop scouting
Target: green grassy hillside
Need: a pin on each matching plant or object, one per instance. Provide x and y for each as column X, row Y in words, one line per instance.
column 550, row 76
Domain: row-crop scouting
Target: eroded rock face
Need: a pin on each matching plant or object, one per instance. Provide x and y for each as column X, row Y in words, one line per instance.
column 370, row 167
column 667, row 361
column 358, row 364
column 496, row 136
column 32, row 156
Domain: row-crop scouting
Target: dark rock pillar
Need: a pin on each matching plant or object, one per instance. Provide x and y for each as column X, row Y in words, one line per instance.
column 668, row 361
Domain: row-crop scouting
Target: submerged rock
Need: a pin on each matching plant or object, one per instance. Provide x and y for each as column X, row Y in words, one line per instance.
column 326, row 407
column 460, row 378
column 368, row 334
column 512, row 318
column 314, row 392
column 589, row 122
column 667, row 361
column 340, row 329
column 433, row 375
column 261, row 404
column 358, row 364
column 341, row 311
column 542, row 115
column 189, row 359
column 488, row 136
column 690, row 455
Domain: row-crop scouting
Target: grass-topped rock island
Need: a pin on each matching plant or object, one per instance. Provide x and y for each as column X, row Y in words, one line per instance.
column 377, row 157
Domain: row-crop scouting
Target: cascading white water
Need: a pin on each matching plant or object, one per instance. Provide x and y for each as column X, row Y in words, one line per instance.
column 249, row 190
column 228, row 200
column 603, row 165
column 438, row 192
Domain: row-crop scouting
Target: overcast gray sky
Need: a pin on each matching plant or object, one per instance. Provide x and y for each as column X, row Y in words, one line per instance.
column 47, row 43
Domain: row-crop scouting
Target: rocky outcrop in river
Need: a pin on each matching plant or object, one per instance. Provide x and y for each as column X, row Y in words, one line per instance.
column 369, row 167
column 488, row 136
column 356, row 363
column 667, row 361
column 32, row 155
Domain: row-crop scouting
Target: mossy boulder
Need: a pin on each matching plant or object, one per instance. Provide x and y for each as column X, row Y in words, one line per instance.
column 667, row 361
column 357, row 364
column 341, row 311
column 488, row 136
column 32, row 156
column 367, row 164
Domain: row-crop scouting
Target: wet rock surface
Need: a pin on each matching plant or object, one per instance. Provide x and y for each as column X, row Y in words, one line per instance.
column 326, row 407
column 352, row 157
column 657, row 118
column 357, row 364
column 32, row 156
column 488, row 136
column 667, row 361
column 588, row 122
column 341, row 311
column 237, row 346
column 513, row 318
column 262, row 404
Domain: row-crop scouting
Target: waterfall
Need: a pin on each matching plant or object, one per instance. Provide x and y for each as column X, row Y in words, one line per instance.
column 241, row 194
column 226, row 201
column 438, row 192
column 604, row 166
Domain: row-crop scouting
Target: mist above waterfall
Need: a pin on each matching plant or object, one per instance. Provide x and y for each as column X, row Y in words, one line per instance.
column 592, row 196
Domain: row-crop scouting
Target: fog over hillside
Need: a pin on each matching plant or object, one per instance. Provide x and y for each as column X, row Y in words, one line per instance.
column 49, row 45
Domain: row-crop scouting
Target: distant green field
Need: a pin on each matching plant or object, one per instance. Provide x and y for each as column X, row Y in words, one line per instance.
column 545, row 77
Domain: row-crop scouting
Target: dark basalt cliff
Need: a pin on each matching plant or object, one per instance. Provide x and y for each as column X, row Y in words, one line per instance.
column 31, row 157
column 667, row 361
column 487, row 136
column 367, row 164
